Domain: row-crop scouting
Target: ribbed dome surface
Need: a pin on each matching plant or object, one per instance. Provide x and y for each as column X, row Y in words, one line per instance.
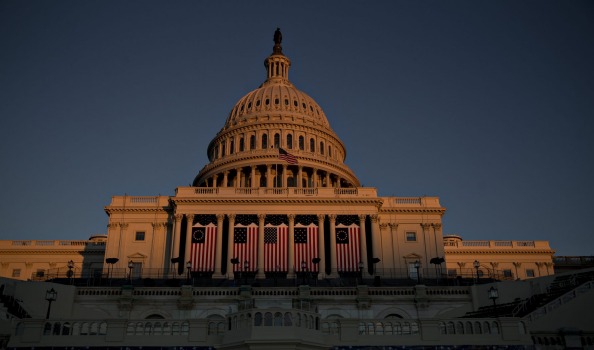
column 277, row 96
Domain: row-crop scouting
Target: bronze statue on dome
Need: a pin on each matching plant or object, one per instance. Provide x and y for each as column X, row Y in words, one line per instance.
column 278, row 36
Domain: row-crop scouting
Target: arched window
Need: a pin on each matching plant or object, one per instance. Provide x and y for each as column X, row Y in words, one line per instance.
column 264, row 141
column 321, row 147
column 301, row 143
column 276, row 140
column 231, row 147
column 258, row 319
column 290, row 141
column 241, row 145
column 312, row 145
column 288, row 319
column 252, row 142
column 268, row 319
column 329, row 151
column 278, row 319
column 222, row 149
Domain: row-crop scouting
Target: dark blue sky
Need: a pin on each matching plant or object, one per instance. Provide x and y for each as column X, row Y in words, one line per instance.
column 487, row 105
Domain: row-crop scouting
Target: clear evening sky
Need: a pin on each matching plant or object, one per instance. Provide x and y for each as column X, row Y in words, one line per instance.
column 486, row 104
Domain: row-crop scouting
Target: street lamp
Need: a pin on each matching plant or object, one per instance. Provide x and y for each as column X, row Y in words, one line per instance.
column 493, row 295
column 246, row 266
column 417, row 266
column 189, row 267
column 50, row 295
column 303, row 271
column 315, row 262
column 130, row 267
column 111, row 262
column 70, row 273
column 275, row 274
column 476, row 265
column 361, row 272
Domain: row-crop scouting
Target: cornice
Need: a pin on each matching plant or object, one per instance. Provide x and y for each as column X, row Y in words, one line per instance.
column 110, row 209
column 53, row 252
column 409, row 210
column 342, row 201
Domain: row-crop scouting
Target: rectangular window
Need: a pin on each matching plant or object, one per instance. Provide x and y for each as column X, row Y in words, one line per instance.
column 140, row 236
column 507, row 273
column 529, row 273
column 16, row 273
column 411, row 236
column 39, row 273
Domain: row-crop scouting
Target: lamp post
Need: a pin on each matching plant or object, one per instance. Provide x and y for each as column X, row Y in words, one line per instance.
column 360, row 272
column 476, row 265
column 110, row 262
column 130, row 267
column 189, row 268
column 303, row 271
column 315, row 262
column 493, row 295
column 246, row 266
column 417, row 266
column 275, row 274
column 50, row 295
column 70, row 274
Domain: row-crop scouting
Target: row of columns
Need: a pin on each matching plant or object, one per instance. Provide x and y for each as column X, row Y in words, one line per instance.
column 291, row 248
column 241, row 180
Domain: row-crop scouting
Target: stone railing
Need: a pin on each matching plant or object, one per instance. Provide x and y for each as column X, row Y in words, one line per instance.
column 498, row 244
column 267, row 326
column 42, row 244
column 275, row 192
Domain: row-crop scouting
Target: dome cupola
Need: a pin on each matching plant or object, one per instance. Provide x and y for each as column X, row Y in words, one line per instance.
column 272, row 119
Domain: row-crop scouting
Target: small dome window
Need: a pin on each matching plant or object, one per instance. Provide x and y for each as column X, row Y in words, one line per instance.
column 267, row 101
column 257, row 103
column 311, row 108
column 249, row 105
column 241, row 109
column 295, row 103
column 286, row 102
column 276, row 101
column 304, row 107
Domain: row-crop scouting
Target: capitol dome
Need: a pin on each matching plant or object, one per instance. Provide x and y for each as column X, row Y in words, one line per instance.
column 276, row 118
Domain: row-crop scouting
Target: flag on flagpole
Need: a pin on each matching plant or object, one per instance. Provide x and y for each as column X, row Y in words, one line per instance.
column 286, row 156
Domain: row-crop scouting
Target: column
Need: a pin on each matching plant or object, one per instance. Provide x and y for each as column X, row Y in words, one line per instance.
column 338, row 181
column 333, row 267
column 300, row 177
column 328, row 184
column 219, row 247
column 268, row 176
column 214, row 180
column 230, row 246
column 225, row 178
column 176, row 235
column 426, row 230
column 189, row 223
column 291, row 238
column 376, row 242
column 253, row 179
column 321, row 246
column 237, row 178
column 363, row 243
column 314, row 178
column 284, row 176
column 394, row 247
column 261, row 220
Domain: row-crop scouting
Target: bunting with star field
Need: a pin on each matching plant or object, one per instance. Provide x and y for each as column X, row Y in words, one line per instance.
column 306, row 242
column 276, row 233
column 204, row 237
column 245, row 242
column 347, row 243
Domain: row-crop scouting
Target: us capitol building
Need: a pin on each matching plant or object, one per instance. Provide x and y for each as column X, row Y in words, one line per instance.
column 276, row 245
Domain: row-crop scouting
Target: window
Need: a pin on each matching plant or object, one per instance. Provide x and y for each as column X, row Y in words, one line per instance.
column 40, row 273
column 139, row 236
column 232, row 147
column 222, row 149
column 264, row 141
column 529, row 273
column 312, row 145
column 411, row 236
column 16, row 272
column 507, row 273
column 276, row 140
column 321, row 147
column 290, row 141
column 301, row 143
column 241, row 145
column 253, row 142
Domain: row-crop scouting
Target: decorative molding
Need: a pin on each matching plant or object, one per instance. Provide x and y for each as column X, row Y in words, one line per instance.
column 374, row 218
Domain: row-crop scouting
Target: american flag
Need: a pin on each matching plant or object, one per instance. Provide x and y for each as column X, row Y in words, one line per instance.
column 286, row 156
column 202, row 254
column 347, row 246
column 306, row 247
column 275, row 248
column 245, row 246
